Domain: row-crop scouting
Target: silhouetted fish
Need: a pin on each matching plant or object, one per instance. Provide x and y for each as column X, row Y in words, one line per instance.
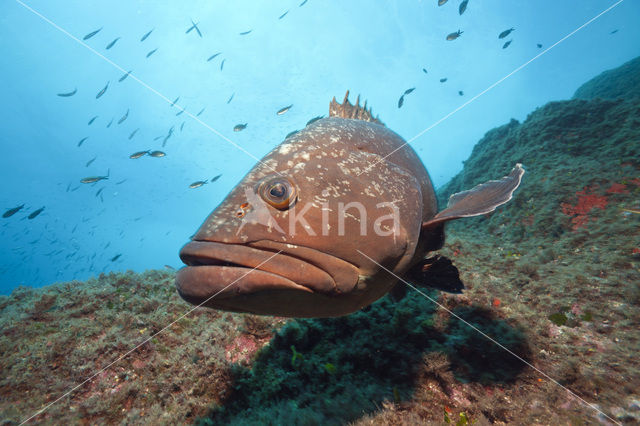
column 231, row 97
column 110, row 45
column 406, row 92
column 454, row 36
column 283, row 15
column 213, row 56
column 174, row 102
column 110, row 123
column 121, row 79
column 124, row 117
column 91, row 34
column 151, row 52
column 100, row 93
column 201, row 111
column 88, row 164
column 314, row 119
column 239, row 127
column 506, row 33
column 441, row 2
column 66, row 95
column 283, row 110
column 424, row 70
column 197, row 184
column 504, row 46
column 82, row 140
column 303, row 3
column 116, row 257
column 215, row 178
column 92, row 120
column 460, row 92
column 35, row 213
column 442, row 80
column 194, row 26
column 10, row 212
column 222, row 64
column 539, row 45
column 246, row 32
column 133, row 133
column 157, row 154
column 463, row 7
column 255, row 257
column 93, row 179
column 144, row 37
column 401, row 101
column 138, row 154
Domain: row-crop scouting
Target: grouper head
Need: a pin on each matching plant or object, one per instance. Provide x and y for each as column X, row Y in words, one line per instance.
column 315, row 227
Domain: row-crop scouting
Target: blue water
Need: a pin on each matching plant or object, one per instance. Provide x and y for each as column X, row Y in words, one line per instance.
column 315, row 52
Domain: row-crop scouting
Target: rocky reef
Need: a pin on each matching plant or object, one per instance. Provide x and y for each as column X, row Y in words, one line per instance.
column 553, row 277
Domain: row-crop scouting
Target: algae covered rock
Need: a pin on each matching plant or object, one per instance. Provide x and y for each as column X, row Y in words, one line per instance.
column 620, row 82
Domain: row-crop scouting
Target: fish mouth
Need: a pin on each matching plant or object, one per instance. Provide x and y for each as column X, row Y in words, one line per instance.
column 255, row 276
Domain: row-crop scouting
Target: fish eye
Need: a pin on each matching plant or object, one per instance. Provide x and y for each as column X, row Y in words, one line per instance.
column 278, row 191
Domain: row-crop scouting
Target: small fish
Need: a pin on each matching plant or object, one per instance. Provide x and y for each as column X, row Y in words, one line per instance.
column 614, row 31
column 222, row 64
column 91, row 34
column 92, row 120
column 10, row 212
column 454, row 36
column 406, row 92
column 174, row 102
column 110, row 123
column 110, row 45
column 460, row 92
column 157, row 154
column 283, row 15
column 303, row 3
column 463, row 7
column 197, row 184
column 138, row 154
column 121, row 79
column 232, row 95
column 213, row 56
column 246, row 32
column 93, row 179
column 151, row 52
column 401, row 101
column 124, row 117
column 442, row 80
column 215, row 178
column 314, row 119
column 201, row 111
column 171, row 268
column 144, row 37
column 82, row 140
column 291, row 134
column 539, row 46
column 116, row 257
column 194, row 27
column 284, row 109
column 180, row 112
column 133, row 133
column 122, row 181
column 239, row 127
column 157, row 137
column 441, row 2
column 424, row 70
column 182, row 126
column 100, row 93
column 504, row 46
column 66, row 95
column 86, row 165
column 99, row 191
column 506, row 33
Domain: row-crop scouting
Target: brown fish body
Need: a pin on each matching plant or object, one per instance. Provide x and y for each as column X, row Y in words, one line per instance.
column 289, row 238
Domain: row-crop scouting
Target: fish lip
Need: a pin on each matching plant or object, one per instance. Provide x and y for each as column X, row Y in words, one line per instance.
column 226, row 270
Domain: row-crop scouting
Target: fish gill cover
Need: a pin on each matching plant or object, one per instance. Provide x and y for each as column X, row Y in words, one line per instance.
column 553, row 276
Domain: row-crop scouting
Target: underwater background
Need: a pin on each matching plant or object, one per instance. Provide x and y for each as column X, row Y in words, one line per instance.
column 554, row 275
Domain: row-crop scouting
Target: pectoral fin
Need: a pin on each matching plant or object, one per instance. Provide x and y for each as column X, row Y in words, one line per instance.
column 482, row 199
column 434, row 272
